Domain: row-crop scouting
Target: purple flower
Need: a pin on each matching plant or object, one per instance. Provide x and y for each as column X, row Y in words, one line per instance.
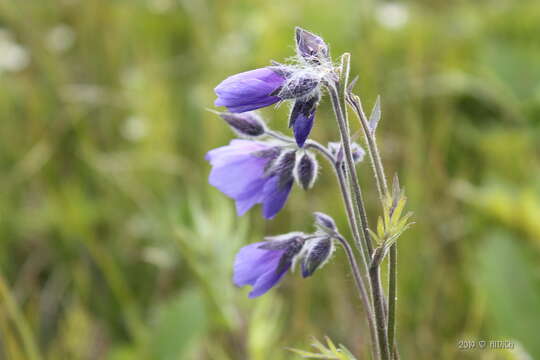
column 250, row 90
column 252, row 173
column 263, row 264
column 302, row 116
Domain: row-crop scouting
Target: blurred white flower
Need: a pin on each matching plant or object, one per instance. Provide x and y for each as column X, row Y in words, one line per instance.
column 134, row 128
column 60, row 38
column 13, row 57
column 392, row 15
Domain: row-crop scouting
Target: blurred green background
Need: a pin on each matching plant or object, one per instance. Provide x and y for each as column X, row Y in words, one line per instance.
column 113, row 245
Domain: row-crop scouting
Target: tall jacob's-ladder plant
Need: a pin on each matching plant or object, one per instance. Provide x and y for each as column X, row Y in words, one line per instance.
column 262, row 166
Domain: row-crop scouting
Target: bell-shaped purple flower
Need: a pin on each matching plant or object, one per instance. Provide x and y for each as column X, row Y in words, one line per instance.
column 253, row 172
column 263, row 264
column 302, row 116
column 250, row 90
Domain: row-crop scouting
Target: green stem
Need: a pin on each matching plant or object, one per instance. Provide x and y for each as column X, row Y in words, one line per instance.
column 375, row 350
column 378, row 305
column 366, row 248
column 382, row 187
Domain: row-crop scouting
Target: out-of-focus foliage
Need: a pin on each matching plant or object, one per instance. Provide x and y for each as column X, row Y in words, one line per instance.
column 113, row 245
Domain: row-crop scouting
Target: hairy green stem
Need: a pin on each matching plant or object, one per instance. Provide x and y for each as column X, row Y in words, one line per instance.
column 366, row 247
column 375, row 349
column 378, row 305
column 382, row 187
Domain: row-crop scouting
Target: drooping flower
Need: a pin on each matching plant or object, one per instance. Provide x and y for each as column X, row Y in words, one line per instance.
column 250, row 90
column 302, row 117
column 263, row 264
column 253, row 172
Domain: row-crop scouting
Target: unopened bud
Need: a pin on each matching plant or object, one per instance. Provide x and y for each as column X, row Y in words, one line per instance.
column 305, row 170
column 325, row 223
column 310, row 47
column 358, row 152
column 317, row 253
column 245, row 124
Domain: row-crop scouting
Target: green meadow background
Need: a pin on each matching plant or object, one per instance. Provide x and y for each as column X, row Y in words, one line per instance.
column 113, row 245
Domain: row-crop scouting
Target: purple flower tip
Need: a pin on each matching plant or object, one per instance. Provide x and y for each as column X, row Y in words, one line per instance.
column 249, row 90
column 302, row 117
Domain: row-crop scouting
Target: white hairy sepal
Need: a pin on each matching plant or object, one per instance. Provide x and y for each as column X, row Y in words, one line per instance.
column 302, row 179
column 310, row 245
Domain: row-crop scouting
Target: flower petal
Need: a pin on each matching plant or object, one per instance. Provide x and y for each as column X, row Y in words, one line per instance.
column 266, row 282
column 301, row 119
column 249, row 90
column 275, row 195
column 251, row 262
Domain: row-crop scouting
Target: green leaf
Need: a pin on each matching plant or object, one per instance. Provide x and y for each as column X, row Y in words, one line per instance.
column 180, row 323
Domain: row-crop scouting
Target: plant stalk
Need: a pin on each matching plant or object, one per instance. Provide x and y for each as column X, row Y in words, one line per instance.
column 382, row 188
column 378, row 304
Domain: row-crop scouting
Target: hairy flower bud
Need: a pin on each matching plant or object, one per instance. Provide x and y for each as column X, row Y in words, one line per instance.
column 305, row 170
column 325, row 223
column 310, row 47
column 317, row 253
column 358, row 152
column 245, row 124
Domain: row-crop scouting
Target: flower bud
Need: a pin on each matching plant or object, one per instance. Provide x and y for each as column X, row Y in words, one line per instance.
column 305, row 170
column 311, row 47
column 358, row 152
column 325, row 223
column 245, row 124
column 317, row 253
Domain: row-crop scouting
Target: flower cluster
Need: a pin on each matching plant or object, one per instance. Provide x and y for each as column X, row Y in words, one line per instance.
column 263, row 264
column 262, row 167
column 300, row 83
